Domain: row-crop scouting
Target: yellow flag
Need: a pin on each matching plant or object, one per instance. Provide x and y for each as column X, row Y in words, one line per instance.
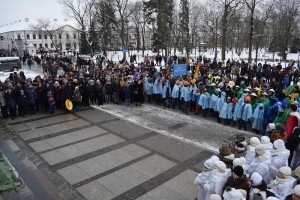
column 259, row 90
column 197, row 72
column 292, row 96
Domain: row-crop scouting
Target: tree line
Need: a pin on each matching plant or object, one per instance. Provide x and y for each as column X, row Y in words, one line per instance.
column 184, row 24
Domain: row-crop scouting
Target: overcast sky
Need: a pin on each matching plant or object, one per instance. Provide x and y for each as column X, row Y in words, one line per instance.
column 12, row 10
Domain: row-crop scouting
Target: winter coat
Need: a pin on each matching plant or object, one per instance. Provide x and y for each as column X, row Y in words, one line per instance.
column 238, row 106
column 31, row 95
column 242, row 183
column 270, row 113
column 2, row 100
column 258, row 190
column 22, row 101
column 108, row 88
column 57, row 93
column 282, row 189
column 204, row 100
column 9, row 100
column 245, row 112
column 98, row 89
column 258, row 116
column 291, row 123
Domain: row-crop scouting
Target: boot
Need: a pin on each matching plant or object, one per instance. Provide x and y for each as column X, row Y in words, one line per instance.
column 232, row 123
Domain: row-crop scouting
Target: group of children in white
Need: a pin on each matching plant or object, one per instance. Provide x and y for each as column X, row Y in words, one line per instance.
column 261, row 173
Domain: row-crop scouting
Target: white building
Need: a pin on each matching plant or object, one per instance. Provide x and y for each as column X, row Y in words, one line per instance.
column 19, row 35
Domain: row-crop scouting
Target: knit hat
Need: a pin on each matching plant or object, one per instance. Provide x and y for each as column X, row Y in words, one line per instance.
column 239, row 161
column 240, row 138
column 260, row 149
column 247, row 98
column 296, row 131
column 265, row 140
column 209, row 164
column 297, row 190
column 279, row 144
column 293, row 107
column 254, row 141
column 256, row 179
column 286, row 171
column 220, row 165
column 215, row 197
column 238, row 170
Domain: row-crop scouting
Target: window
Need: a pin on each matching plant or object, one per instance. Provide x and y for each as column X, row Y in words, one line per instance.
column 41, row 45
column 75, row 45
column 33, row 36
column 45, row 36
column 67, row 36
column 34, row 45
column 28, row 36
column 19, row 37
column 59, row 36
column 74, row 36
column 46, row 45
column 51, row 37
column 40, row 37
column 52, row 45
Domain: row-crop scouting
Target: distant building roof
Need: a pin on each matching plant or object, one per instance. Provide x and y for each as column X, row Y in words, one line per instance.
column 20, row 25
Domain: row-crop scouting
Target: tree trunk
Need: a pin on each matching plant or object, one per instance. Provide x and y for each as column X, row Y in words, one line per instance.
column 251, row 36
column 143, row 38
column 224, row 31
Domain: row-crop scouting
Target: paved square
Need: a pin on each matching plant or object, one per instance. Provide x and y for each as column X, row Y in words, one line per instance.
column 171, row 147
column 126, row 129
column 95, row 116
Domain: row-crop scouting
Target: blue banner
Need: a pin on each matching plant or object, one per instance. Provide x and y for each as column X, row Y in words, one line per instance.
column 180, row 70
column 125, row 49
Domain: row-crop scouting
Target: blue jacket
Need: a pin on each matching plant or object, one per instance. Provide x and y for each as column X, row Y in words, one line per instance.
column 31, row 95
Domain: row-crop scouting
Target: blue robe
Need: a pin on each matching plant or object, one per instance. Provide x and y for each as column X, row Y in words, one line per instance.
column 204, row 100
column 226, row 111
column 213, row 102
column 219, row 105
column 149, row 88
column 258, row 116
column 164, row 91
column 155, row 87
column 175, row 91
column 245, row 112
column 238, row 106
column 185, row 93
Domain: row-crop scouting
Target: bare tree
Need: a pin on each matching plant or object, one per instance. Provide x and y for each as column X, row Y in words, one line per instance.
column 229, row 8
column 123, row 8
column 44, row 26
column 82, row 11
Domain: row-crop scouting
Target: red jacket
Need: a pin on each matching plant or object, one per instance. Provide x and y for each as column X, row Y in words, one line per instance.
column 291, row 123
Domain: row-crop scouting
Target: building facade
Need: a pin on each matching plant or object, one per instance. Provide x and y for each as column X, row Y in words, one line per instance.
column 63, row 38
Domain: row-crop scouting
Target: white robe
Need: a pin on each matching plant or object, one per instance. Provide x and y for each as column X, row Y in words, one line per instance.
column 202, row 179
column 216, row 184
column 260, row 165
column 279, row 159
column 282, row 189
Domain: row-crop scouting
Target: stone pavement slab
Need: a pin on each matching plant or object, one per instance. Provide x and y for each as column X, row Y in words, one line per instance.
column 78, row 149
column 42, row 122
column 126, row 129
column 163, row 192
column 48, row 130
column 94, row 190
column 73, row 174
column 95, row 116
column 65, row 139
column 171, row 147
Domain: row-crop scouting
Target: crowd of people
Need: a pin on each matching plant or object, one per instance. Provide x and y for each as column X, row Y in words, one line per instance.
column 261, row 97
